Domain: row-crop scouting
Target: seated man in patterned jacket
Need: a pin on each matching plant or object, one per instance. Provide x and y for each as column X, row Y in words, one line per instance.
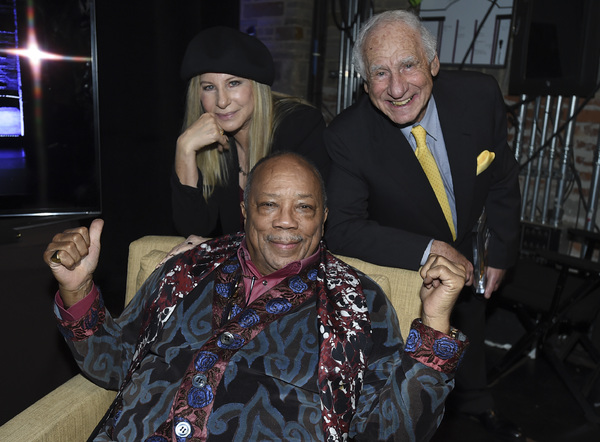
column 262, row 334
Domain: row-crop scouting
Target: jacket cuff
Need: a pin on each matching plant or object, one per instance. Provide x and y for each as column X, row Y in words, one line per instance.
column 85, row 326
column 435, row 349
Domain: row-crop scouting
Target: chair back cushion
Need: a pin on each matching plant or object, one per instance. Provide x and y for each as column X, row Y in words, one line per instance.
column 401, row 286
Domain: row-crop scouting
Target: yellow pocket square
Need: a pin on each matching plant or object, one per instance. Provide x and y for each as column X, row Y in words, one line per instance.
column 484, row 159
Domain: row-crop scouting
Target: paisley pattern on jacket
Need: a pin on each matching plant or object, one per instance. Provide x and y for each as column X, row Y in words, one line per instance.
column 234, row 326
column 270, row 388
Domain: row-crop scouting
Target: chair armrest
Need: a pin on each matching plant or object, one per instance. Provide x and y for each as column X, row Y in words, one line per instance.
column 68, row 413
column 72, row 410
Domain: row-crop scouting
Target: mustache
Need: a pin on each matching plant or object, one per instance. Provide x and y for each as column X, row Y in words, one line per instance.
column 284, row 239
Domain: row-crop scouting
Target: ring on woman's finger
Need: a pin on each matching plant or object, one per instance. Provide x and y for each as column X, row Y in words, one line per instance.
column 222, row 132
column 55, row 257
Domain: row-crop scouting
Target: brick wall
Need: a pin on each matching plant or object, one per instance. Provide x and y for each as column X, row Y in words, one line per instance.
column 285, row 27
column 582, row 147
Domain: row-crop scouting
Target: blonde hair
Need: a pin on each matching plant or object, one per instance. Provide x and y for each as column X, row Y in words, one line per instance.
column 211, row 162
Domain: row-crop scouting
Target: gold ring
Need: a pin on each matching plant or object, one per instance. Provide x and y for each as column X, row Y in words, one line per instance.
column 55, row 258
column 222, row 132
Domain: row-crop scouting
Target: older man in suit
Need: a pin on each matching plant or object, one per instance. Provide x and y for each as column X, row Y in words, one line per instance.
column 387, row 206
column 261, row 335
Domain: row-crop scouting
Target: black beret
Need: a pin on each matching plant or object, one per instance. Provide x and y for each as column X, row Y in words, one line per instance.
column 226, row 50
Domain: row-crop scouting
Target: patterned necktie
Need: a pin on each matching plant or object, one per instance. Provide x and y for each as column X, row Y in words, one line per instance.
column 433, row 174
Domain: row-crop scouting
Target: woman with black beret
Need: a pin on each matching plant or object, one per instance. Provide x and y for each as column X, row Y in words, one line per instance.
column 232, row 120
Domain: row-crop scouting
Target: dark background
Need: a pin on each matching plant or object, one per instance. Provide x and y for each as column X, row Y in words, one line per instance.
column 141, row 99
column 140, row 47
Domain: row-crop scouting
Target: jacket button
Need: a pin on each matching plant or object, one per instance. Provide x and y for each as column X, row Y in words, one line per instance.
column 226, row 339
column 183, row 429
column 199, row 381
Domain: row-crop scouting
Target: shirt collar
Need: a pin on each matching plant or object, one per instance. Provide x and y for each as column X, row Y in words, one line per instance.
column 430, row 122
column 293, row 268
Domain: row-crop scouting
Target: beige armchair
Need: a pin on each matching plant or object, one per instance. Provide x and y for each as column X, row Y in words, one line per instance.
column 71, row 411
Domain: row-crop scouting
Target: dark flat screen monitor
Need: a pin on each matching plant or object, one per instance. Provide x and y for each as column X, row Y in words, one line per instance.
column 49, row 139
column 556, row 47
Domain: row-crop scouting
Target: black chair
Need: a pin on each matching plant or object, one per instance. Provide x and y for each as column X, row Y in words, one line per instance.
column 555, row 332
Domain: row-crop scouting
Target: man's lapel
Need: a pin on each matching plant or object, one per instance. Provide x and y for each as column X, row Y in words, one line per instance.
column 404, row 171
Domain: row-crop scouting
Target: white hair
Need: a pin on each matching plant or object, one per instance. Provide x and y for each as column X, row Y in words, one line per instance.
column 397, row 16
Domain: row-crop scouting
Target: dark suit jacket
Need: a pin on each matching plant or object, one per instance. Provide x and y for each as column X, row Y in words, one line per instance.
column 382, row 208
